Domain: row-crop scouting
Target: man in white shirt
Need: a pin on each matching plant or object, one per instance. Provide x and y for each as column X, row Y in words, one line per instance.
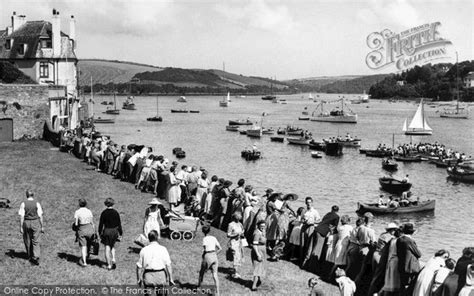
column 310, row 218
column 154, row 266
column 31, row 226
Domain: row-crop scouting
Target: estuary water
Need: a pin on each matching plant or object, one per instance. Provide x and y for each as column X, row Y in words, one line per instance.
column 330, row 181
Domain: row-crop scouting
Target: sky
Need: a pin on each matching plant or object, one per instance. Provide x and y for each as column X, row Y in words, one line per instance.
column 280, row 39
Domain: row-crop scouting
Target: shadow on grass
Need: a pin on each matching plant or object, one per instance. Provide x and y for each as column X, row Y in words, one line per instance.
column 228, row 270
column 15, row 254
column 135, row 250
column 75, row 259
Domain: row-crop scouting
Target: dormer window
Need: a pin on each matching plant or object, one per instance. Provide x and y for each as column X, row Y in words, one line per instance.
column 8, row 44
column 46, row 43
column 21, row 49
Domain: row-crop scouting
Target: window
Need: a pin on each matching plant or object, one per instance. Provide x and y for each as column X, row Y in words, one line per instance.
column 46, row 43
column 44, row 70
column 8, row 44
column 21, row 49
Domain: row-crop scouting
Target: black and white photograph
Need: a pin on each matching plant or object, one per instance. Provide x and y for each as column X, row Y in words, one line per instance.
column 226, row 147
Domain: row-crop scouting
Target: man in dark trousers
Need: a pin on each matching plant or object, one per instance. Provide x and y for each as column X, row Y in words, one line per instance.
column 31, row 226
column 408, row 255
column 329, row 221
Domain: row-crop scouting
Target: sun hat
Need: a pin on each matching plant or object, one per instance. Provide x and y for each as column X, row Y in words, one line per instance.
column 155, row 201
column 408, row 228
column 391, row 225
column 269, row 190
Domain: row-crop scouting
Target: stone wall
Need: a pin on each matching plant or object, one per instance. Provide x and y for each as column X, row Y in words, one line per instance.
column 28, row 105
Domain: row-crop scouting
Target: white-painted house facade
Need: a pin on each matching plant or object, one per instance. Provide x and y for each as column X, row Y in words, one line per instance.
column 46, row 54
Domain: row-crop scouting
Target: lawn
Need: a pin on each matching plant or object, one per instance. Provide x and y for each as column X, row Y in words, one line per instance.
column 59, row 180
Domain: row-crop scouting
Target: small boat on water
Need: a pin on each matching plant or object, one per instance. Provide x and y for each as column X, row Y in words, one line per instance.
column 298, row 141
column 157, row 117
column 334, row 149
column 310, row 96
column 375, row 209
column 111, row 103
column 389, row 164
column 444, row 163
column 315, row 154
column 240, row 122
column 277, row 139
column 182, row 99
column 225, row 101
column 104, row 120
column 129, row 104
column 180, row 154
column 243, row 132
column 113, row 111
column 408, row 158
column 393, row 185
column 303, row 118
column 254, row 132
column 104, row 103
column 268, row 98
column 377, row 153
column 418, row 125
column 251, row 154
column 268, row 131
column 463, row 171
column 336, row 115
column 179, row 111
column 232, row 128
column 194, row 111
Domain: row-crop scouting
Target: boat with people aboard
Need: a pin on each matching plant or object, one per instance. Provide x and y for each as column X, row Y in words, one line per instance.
column 316, row 154
column 336, row 115
column 377, row 152
column 240, row 122
column 348, row 141
column 444, row 163
column 268, row 131
column 363, row 98
column 179, row 111
column 156, row 117
column 376, row 209
column 463, row 171
column 250, row 154
column 408, row 158
column 334, row 149
column 418, row 125
column 182, row 99
column 389, row 164
column 129, row 104
column 225, row 101
column 232, row 128
column 393, row 185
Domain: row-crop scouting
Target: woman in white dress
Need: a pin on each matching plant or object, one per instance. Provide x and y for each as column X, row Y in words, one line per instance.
column 341, row 243
column 426, row 276
column 153, row 219
column 202, row 190
column 174, row 192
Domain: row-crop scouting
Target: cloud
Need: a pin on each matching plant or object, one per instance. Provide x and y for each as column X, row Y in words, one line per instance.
column 259, row 14
column 400, row 14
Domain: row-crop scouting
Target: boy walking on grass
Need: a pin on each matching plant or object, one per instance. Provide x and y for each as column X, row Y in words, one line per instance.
column 209, row 256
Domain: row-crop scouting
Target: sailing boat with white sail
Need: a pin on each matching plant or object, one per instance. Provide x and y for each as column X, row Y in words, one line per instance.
column 225, row 101
column 310, row 97
column 418, row 125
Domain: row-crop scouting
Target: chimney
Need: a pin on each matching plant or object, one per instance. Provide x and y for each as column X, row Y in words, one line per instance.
column 72, row 31
column 56, row 24
column 21, row 20
column 15, row 21
column 9, row 30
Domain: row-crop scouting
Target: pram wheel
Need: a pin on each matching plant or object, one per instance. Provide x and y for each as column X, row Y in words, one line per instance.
column 175, row 235
column 188, row 236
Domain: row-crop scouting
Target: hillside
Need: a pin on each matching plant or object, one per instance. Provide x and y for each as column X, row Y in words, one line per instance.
column 104, row 71
column 118, row 72
column 336, row 84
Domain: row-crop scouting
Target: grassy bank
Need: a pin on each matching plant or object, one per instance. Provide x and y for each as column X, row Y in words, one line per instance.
column 59, row 180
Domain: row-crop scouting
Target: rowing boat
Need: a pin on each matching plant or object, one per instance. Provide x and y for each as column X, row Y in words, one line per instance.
column 424, row 206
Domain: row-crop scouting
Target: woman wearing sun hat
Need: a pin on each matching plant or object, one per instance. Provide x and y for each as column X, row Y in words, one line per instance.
column 152, row 219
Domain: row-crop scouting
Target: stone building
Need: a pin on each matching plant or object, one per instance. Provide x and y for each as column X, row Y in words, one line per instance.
column 46, row 54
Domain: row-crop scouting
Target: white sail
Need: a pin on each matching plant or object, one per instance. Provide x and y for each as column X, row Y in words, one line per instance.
column 419, row 121
column 310, row 96
column 405, row 125
column 228, row 97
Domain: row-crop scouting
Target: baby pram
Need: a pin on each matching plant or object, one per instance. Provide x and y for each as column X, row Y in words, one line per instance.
column 181, row 226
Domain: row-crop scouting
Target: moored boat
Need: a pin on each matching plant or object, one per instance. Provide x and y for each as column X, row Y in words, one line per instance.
column 418, row 125
column 251, row 154
column 155, row 118
column 393, row 185
column 268, row 98
column 336, row 115
column 240, row 122
column 408, row 158
column 303, row 118
column 315, row 154
column 194, row 111
column 375, row 209
column 243, row 132
column 298, row 141
column 179, row 111
column 268, row 131
column 377, row 153
column 277, row 139
column 255, row 132
column 104, row 120
column 232, row 128
column 182, row 99
column 444, row 163
column 129, row 104
column 462, row 172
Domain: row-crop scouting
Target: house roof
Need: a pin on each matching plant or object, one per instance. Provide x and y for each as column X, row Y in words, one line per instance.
column 30, row 34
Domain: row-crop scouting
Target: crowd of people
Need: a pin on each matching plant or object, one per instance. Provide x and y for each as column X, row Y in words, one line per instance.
column 350, row 255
